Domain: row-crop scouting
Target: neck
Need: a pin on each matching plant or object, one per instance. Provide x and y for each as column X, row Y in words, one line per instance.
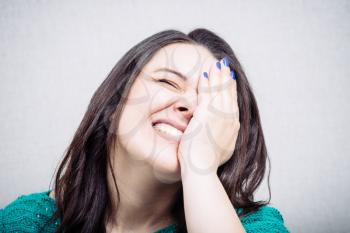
column 145, row 202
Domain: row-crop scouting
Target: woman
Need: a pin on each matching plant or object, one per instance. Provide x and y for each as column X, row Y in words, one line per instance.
column 171, row 142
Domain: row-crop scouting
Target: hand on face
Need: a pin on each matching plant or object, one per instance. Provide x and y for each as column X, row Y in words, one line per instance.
column 210, row 137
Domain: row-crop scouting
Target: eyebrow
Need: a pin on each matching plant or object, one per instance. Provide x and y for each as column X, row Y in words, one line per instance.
column 172, row 71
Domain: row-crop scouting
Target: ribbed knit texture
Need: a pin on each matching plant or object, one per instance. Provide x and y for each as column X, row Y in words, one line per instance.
column 29, row 213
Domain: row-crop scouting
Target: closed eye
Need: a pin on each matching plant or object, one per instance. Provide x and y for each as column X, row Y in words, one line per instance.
column 168, row 82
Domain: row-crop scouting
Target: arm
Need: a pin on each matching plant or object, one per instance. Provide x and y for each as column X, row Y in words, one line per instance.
column 207, row 206
column 218, row 213
column 208, row 142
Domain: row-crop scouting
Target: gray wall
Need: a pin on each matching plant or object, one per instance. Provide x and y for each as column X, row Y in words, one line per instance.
column 54, row 54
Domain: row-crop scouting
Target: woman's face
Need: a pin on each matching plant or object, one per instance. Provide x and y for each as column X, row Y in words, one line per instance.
column 171, row 105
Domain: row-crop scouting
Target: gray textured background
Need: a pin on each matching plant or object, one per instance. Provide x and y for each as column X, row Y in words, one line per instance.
column 54, row 54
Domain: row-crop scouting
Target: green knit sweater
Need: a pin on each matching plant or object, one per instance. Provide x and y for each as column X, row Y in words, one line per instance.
column 29, row 213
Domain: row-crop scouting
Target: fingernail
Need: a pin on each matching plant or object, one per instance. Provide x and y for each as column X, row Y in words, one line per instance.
column 205, row 74
column 233, row 75
column 218, row 65
column 226, row 61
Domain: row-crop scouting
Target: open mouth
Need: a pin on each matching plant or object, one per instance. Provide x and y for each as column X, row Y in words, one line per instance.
column 167, row 131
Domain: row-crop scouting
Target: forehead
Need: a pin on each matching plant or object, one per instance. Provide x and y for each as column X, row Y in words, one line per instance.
column 189, row 59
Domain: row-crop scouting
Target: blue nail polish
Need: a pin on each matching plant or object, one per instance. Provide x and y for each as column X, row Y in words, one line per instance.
column 233, row 75
column 218, row 65
column 226, row 61
column 205, row 74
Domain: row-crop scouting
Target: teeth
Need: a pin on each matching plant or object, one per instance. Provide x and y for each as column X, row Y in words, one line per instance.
column 168, row 129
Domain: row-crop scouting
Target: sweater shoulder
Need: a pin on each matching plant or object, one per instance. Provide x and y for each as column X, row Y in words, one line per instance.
column 266, row 219
column 29, row 213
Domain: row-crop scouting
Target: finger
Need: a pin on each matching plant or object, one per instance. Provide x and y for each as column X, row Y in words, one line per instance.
column 203, row 87
column 226, row 82
column 214, row 77
column 229, row 91
column 233, row 75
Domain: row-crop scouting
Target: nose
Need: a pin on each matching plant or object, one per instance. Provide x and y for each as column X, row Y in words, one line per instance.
column 185, row 106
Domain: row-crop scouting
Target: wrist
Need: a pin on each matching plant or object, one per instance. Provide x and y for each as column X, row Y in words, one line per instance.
column 198, row 164
column 190, row 172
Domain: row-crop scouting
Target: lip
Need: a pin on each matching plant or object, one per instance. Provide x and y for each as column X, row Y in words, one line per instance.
column 173, row 123
column 169, row 138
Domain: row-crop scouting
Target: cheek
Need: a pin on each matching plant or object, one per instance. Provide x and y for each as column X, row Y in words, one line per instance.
column 133, row 121
column 148, row 97
column 136, row 110
column 144, row 100
column 132, row 132
column 136, row 134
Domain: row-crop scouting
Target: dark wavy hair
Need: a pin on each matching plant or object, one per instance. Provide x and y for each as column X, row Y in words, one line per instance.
column 82, row 196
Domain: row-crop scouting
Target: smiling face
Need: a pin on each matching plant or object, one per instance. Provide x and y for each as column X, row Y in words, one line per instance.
column 159, row 107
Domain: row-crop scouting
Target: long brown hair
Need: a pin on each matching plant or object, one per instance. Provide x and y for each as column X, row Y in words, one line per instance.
column 82, row 197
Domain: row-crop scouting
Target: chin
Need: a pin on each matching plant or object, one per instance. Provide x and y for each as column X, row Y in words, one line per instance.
column 167, row 177
column 166, row 167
